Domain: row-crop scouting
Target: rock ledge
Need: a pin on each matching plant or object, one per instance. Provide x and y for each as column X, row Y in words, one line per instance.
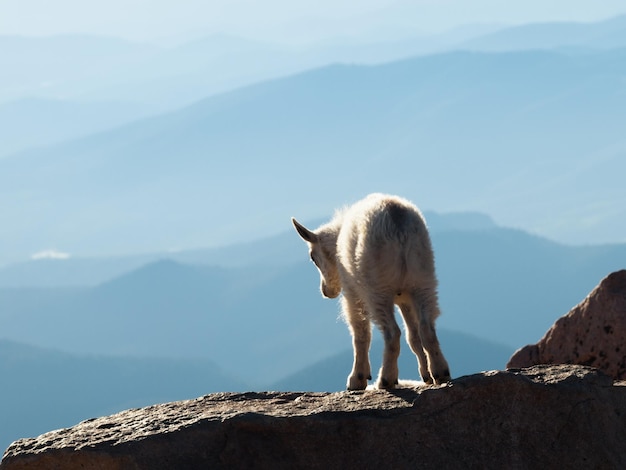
column 545, row 416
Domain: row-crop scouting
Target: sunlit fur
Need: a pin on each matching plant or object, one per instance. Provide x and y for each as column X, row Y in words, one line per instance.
column 378, row 253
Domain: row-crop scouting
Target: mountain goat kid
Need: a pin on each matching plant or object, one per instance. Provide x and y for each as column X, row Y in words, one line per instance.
column 379, row 253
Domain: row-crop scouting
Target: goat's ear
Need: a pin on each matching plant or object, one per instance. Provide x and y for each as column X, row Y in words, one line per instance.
column 304, row 232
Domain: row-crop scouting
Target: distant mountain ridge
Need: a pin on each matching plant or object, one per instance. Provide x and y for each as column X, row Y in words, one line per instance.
column 279, row 250
column 50, row 66
column 89, row 73
column 45, row 389
column 548, row 143
column 36, row 122
column 608, row 34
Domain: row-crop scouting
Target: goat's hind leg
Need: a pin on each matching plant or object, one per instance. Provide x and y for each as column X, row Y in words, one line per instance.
column 361, row 331
column 427, row 307
column 411, row 324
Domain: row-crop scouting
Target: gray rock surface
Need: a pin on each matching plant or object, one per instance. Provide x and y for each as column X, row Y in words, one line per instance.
column 593, row 333
column 544, row 417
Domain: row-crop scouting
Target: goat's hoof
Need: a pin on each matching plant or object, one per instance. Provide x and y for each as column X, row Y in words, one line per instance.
column 386, row 384
column 427, row 378
column 358, row 381
column 442, row 378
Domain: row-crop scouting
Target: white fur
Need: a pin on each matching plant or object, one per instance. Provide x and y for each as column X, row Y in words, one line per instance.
column 378, row 253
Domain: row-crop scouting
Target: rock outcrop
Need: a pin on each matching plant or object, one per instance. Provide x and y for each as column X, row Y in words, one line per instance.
column 593, row 333
column 543, row 417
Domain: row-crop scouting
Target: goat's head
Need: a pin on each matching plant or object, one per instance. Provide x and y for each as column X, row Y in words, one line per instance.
column 323, row 253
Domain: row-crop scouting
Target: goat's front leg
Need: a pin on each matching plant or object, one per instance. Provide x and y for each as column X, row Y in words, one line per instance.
column 385, row 320
column 361, row 331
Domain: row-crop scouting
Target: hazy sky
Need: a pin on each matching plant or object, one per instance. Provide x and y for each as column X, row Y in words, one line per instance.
column 282, row 19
